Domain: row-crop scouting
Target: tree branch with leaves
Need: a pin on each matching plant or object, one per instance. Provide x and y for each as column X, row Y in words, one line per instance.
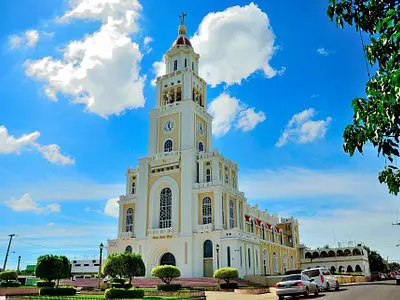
column 377, row 115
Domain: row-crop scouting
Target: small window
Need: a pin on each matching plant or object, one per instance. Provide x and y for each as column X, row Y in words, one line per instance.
column 86, row 265
column 201, row 147
column 168, row 146
column 228, row 250
column 193, row 66
column 175, row 65
column 185, row 62
column 133, row 188
column 96, row 265
column 77, row 265
column 208, row 175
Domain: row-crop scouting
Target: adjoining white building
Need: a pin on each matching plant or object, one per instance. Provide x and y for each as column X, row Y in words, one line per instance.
column 84, row 268
column 182, row 204
column 338, row 260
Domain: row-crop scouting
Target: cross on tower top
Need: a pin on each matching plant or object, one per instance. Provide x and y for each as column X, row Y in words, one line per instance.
column 182, row 17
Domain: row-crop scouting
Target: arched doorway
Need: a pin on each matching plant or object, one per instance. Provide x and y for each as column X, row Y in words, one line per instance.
column 208, row 269
column 168, row 259
column 265, row 262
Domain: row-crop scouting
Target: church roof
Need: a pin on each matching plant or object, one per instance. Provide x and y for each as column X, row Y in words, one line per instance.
column 182, row 40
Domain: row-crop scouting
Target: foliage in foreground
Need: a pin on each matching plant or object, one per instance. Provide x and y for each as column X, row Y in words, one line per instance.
column 52, row 267
column 226, row 274
column 377, row 116
column 172, row 287
column 166, row 273
column 123, row 293
column 124, row 265
column 8, row 275
column 58, row 291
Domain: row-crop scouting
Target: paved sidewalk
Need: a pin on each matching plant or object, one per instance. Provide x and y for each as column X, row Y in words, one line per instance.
column 231, row 295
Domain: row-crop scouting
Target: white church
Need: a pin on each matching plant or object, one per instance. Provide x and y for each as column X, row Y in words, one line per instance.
column 182, row 205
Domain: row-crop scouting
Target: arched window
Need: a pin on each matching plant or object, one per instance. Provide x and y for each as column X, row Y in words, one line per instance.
column 251, row 226
column 128, row 249
column 207, row 210
column 165, row 208
column 175, row 65
column 358, row 269
column 257, row 266
column 333, row 270
column 331, row 253
column 208, row 175
column 284, row 263
column 263, row 231
column 265, row 262
column 308, row 255
column 281, row 237
column 207, row 249
column 228, row 251
column 168, row 146
column 347, row 252
column 226, row 178
column 201, row 147
column 349, row 269
column 273, row 234
column 168, row 259
column 315, row 254
column 231, row 215
column 129, row 220
column 356, row 252
column 275, row 262
column 324, row 254
column 133, row 187
column 185, row 62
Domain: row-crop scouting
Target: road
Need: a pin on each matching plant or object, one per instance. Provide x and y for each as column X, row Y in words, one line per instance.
column 384, row 290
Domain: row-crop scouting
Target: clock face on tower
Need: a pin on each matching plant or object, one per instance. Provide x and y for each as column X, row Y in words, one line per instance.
column 169, row 125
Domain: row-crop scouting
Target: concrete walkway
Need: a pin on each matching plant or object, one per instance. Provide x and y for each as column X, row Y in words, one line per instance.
column 233, row 296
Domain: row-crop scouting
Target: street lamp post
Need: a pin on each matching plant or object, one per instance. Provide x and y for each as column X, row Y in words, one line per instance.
column 101, row 246
column 19, row 262
column 217, row 248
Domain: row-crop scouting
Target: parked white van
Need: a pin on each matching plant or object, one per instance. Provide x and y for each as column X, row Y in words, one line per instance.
column 323, row 278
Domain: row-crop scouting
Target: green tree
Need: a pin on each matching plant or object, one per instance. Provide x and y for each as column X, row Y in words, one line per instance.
column 227, row 274
column 8, row 275
column 166, row 273
column 376, row 262
column 377, row 115
column 124, row 265
column 52, row 267
column 134, row 265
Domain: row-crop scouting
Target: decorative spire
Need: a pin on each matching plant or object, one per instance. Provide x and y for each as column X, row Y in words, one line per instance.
column 182, row 27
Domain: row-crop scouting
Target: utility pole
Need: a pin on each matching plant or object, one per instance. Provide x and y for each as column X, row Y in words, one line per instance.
column 8, row 250
column 19, row 262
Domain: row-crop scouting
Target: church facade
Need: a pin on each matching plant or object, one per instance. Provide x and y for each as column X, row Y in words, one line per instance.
column 182, row 205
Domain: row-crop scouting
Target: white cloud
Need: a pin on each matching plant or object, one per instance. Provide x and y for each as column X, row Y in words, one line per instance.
column 28, row 39
column 147, row 40
column 112, row 208
column 324, row 52
column 52, row 153
column 100, row 71
column 10, row 144
column 51, row 224
column 229, row 111
column 233, row 44
column 26, row 203
column 301, row 129
column 248, row 119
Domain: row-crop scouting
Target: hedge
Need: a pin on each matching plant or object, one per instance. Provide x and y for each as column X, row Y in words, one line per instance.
column 58, row 291
column 8, row 275
column 166, row 273
column 229, row 286
column 123, row 294
column 43, row 284
column 10, row 284
column 169, row 287
column 117, row 285
column 226, row 274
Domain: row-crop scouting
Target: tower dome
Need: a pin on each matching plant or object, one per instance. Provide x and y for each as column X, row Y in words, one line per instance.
column 182, row 40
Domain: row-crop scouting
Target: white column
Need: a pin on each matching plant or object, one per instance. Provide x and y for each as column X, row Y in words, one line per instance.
column 218, row 209
column 227, row 211
column 121, row 217
column 201, row 171
column 141, row 200
column 215, row 171
column 238, row 219
column 187, row 180
column 195, row 209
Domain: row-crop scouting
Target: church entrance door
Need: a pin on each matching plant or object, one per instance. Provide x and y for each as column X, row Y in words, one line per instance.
column 168, row 259
column 208, row 268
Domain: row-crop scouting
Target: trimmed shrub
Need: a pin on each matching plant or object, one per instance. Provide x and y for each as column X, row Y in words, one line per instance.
column 8, row 275
column 226, row 274
column 118, row 280
column 11, row 284
column 166, row 273
column 122, row 293
column 169, row 287
column 229, row 286
column 58, row 291
column 43, row 283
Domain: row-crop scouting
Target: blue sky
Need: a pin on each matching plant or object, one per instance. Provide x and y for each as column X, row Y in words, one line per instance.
column 62, row 161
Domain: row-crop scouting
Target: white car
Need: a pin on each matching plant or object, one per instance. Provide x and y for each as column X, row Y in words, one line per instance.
column 296, row 285
column 323, row 278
